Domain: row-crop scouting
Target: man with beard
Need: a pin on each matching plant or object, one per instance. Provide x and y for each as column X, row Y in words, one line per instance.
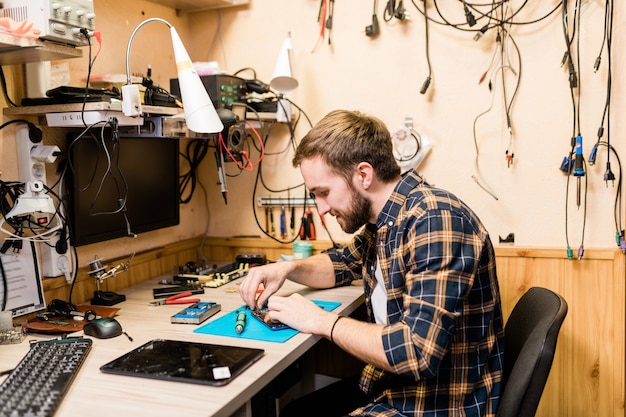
column 433, row 341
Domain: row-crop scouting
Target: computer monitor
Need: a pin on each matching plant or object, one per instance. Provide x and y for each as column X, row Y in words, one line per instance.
column 143, row 171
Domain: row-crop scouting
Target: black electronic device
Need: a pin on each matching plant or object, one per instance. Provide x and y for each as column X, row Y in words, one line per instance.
column 103, row 328
column 165, row 292
column 60, row 308
column 182, row 361
column 223, row 89
column 133, row 189
column 253, row 259
column 73, row 93
column 263, row 317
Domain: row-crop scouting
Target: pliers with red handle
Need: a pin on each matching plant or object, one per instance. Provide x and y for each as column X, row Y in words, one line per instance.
column 176, row 299
column 307, row 230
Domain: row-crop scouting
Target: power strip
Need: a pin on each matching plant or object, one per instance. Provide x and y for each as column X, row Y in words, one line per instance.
column 90, row 117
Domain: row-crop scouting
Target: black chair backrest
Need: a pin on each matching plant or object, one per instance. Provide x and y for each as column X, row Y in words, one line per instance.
column 530, row 338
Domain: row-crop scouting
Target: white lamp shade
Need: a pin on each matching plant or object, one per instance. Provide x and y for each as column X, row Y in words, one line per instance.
column 200, row 115
column 282, row 79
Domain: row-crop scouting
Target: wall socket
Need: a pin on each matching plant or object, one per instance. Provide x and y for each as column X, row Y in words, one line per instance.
column 54, row 264
column 28, row 168
column 32, row 157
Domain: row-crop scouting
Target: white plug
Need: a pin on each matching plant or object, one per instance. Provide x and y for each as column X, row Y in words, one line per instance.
column 44, row 153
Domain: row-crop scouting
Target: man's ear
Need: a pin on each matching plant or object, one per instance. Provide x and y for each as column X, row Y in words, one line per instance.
column 364, row 175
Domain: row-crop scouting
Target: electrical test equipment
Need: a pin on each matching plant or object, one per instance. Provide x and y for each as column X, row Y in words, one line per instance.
column 58, row 20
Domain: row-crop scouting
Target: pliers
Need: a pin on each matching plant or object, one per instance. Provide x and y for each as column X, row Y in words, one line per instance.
column 176, row 299
column 307, row 230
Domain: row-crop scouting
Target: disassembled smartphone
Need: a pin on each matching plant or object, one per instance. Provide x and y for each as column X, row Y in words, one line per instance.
column 263, row 316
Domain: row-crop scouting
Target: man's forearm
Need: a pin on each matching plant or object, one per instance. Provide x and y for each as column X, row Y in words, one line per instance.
column 315, row 272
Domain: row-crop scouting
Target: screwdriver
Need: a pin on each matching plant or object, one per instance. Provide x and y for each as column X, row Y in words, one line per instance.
column 273, row 231
column 283, row 225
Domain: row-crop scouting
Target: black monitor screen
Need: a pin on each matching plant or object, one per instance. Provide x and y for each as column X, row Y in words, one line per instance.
column 141, row 170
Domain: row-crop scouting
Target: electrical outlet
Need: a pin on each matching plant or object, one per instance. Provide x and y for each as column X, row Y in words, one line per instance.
column 28, row 168
column 32, row 157
column 54, row 264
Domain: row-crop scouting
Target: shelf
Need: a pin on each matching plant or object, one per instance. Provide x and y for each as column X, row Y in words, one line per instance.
column 16, row 50
column 285, row 201
column 97, row 106
column 191, row 6
column 162, row 121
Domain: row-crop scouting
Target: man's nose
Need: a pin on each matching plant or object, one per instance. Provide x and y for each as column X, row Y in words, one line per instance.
column 322, row 206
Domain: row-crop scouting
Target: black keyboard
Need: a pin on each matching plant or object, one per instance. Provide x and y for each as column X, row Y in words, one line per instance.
column 38, row 384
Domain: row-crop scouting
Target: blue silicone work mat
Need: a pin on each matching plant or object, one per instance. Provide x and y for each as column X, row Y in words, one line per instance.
column 225, row 326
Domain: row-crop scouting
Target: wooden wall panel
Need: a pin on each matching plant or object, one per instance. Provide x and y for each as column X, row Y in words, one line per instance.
column 587, row 377
column 144, row 266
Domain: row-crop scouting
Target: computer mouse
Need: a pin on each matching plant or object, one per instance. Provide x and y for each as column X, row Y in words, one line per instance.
column 103, row 328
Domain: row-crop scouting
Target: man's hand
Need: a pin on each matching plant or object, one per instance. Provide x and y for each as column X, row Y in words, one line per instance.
column 268, row 278
column 301, row 314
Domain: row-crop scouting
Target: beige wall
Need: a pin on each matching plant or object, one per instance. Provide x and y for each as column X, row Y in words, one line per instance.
column 383, row 76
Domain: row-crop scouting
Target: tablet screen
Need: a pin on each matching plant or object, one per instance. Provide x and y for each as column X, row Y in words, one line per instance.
column 181, row 361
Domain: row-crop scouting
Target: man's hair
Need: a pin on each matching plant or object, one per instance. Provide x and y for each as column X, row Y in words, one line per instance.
column 343, row 139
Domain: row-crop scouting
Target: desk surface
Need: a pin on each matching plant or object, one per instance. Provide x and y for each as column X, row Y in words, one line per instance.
column 97, row 394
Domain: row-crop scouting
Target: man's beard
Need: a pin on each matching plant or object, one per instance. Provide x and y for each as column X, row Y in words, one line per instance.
column 358, row 215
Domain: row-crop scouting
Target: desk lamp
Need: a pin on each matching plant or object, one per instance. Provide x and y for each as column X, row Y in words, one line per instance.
column 200, row 115
column 283, row 81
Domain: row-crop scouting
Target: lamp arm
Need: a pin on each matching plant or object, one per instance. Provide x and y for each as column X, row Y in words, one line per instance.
column 130, row 42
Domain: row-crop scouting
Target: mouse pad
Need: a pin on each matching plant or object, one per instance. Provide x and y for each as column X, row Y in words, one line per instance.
column 225, row 326
column 61, row 325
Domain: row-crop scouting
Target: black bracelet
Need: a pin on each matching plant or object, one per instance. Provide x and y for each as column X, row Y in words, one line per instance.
column 333, row 328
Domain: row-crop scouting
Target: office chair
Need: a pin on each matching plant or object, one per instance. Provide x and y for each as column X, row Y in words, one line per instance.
column 531, row 334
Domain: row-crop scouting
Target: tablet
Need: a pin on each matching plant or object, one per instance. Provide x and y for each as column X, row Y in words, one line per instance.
column 197, row 363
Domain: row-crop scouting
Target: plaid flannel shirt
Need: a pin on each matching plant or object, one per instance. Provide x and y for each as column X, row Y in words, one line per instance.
column 444, row 335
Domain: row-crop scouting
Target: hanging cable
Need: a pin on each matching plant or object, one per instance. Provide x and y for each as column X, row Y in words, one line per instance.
column 572, row 21
column 195, row 152
column 609, row 176
column 321, row 19
column 427, row 47
column 485, row 14
column 373, row 30
column 4, row 89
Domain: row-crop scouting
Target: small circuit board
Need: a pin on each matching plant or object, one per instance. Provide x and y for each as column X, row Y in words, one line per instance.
column 216, row 278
